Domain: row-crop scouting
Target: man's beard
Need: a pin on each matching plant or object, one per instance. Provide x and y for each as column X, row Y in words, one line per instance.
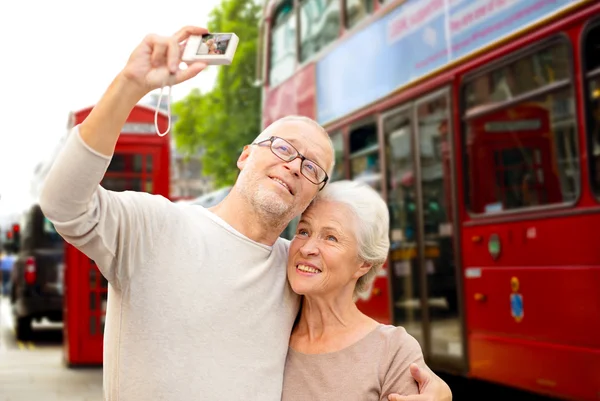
column 270, row 203
column 266, row 201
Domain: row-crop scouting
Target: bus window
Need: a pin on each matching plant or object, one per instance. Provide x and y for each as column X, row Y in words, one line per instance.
column 530, row 73
column 283, row 43
column 338, row 146
column 592, row 73
column 402, row 204
column 319, row 25
column 432, row 128
column 519, row 138
column 364, row 155
column 401, row 178
column 356, row 10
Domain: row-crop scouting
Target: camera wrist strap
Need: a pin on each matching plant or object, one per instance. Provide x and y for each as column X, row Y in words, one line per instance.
column 168, row 107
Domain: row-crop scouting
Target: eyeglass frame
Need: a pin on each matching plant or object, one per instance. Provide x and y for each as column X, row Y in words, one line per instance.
column 298, row 155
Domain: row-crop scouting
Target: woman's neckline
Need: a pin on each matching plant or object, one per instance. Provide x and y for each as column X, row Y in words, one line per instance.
column 354, row 344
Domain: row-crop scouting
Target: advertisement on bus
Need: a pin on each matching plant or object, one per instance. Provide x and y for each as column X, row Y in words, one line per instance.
column 414, row 40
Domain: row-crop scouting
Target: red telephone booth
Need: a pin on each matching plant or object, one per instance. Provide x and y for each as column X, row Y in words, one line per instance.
column 140, row 163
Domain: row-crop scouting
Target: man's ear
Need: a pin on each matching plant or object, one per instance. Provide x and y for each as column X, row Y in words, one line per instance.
column 241, row 162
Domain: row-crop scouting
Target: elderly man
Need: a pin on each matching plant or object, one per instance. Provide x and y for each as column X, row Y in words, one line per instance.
column 198, row 304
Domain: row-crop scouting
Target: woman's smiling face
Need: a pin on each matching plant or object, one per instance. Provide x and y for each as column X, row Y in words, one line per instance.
column 323, row 257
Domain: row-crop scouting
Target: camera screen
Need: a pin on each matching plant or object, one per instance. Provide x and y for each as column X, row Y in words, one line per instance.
column 213, row 44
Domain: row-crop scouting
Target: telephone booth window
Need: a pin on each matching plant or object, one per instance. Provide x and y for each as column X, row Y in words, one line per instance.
column 129, row 172
column 98, row 296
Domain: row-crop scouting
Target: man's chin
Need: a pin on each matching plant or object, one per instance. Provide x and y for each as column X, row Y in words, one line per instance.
column 273, row 204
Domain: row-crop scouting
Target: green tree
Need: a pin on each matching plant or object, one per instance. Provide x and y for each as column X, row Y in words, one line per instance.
column 225, row 119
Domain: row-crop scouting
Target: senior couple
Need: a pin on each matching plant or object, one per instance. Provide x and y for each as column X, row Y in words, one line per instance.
column 211, row 304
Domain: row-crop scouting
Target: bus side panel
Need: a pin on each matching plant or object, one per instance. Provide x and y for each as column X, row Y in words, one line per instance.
column 297, row 95
column 536, row 327
column 554, row 305
column 552, row 369
column 539, row 241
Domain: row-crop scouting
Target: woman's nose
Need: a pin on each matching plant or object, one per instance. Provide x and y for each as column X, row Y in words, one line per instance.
column 309, row 248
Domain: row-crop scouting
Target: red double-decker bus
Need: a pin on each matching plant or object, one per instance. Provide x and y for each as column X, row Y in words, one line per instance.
column 479, row 122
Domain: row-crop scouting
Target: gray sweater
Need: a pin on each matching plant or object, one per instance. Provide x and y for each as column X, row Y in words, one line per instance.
column 196, row 310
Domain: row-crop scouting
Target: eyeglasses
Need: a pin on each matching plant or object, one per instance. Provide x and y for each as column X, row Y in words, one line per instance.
column 287, row 152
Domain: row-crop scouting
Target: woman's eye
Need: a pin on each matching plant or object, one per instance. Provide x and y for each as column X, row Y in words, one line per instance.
column 302, row 232
column 331, row 238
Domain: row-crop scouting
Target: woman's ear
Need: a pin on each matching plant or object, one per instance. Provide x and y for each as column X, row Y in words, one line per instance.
column 362, row 270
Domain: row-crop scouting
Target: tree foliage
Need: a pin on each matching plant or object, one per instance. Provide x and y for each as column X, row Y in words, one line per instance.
column 225, row 119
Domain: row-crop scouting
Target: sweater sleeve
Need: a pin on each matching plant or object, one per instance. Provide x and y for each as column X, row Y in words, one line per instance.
column 403, row 349
column 115, row 229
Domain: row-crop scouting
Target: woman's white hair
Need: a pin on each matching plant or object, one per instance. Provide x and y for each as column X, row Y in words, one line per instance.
column 372, row 223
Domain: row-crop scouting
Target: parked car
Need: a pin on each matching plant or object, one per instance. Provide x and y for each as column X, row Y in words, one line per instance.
column 212, row 198
column 37, row 274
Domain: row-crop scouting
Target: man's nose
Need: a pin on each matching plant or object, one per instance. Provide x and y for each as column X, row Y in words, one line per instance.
column 294, row 166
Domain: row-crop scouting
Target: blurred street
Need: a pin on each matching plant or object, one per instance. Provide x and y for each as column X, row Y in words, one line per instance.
column 34, row 370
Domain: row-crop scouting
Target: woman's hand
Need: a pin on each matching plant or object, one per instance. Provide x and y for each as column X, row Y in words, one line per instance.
column 431, row 387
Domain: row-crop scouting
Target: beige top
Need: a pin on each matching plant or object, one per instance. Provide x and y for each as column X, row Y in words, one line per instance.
column 370, row 369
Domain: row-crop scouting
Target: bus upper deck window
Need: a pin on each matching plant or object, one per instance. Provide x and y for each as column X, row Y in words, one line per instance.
column 356, row 10
column 319, row 25
column 283, row 44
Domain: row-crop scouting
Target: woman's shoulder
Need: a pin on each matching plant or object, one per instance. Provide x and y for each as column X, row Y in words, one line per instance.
column 401, row 350
column 394, row 333
column 397, row 338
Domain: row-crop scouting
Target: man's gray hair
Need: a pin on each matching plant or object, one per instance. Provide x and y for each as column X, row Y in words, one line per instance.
column 266, row 133
column 372, row 223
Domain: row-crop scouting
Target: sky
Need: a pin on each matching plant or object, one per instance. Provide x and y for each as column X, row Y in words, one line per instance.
column 60, row 56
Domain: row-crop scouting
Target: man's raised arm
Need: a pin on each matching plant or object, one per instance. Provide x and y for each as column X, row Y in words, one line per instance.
column 95, row 220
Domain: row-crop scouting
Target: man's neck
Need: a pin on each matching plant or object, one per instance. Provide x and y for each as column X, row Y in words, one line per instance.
column 242, row 216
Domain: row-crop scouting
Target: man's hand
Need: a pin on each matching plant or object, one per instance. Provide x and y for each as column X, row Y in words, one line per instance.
column 152, row 65
column 155, row 62
column 431, row 387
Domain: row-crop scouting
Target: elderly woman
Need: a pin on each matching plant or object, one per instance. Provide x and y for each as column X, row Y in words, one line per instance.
column 336, row 352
